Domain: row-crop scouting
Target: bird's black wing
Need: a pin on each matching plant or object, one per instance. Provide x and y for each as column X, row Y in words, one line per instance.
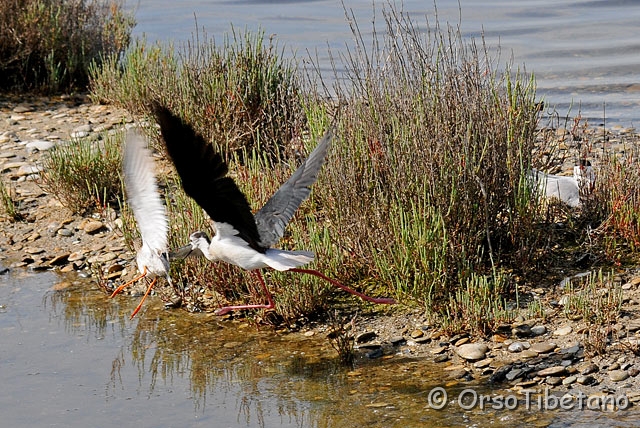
column 203, row 174
column 273, row 218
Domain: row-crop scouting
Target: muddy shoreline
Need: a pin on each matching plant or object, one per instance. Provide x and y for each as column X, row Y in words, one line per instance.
column 531, row 353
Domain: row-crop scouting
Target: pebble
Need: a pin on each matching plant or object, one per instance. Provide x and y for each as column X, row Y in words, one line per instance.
column 483, row 363
column 522, row 330
column 543, row 347
column 528, row 353
column 60, row 259
column 517, row 347
column 439, row 350
column 563, row 331
column 472, row 351
column 102, row 258
column 81, row 131
column 39, row 145
column 633, row 397
column 366, row 336
column 618, row 375
column 552, row 371
column 553, row 380
column 73, row 257
column 416, row 333
column 397, row 340
column 64, row 232
column 441, row 358
column 586, row 380
column 28, row 169
column 93, row 226
column 569, row 380
column 538, row 330
column 514, row 374
column 462, row 341
column 34, row 250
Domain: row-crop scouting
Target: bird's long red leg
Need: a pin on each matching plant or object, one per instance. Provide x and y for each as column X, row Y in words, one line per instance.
column 226, row 309
column 379, row 300
column 122, row 287
column 143, row 298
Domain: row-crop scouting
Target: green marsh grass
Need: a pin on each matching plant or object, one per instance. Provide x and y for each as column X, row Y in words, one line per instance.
column 430, row 172
column 596, row 299
column 84, row 174
column 425, row 194
column 49, row 45
column 8, row 202
column 240, row 95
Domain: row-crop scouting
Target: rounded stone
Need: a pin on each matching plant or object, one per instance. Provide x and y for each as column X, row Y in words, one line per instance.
column 516, row 347
column 93, row 226
column 538, row 330
column 552, row 371
column 618, row 375
column 543, row 347
column 366, row 336
column 472, row 351
column 586, row 380
column 563, row 331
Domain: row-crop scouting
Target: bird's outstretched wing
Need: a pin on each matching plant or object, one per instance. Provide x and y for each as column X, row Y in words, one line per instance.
column 203, row 174
column 273, row 218
column 142, row 192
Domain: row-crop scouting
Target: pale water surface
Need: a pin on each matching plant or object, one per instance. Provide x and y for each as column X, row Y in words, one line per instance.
column 72, row 358
column 585, row 54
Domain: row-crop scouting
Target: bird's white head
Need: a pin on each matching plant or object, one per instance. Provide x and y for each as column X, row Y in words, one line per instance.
column 200, row 241
column 585, row 176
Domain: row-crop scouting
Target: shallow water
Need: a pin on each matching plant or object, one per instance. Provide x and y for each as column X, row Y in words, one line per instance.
column 73, row 358
column 585, row 54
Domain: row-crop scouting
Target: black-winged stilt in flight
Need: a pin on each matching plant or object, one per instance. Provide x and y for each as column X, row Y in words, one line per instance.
column 241, row 238
column 143, row 198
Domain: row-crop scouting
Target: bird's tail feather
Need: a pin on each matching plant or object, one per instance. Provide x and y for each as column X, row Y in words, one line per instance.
column 284, row 260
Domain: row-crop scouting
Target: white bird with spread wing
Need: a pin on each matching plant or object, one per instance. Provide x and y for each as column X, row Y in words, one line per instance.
column 142, row 195
column 241, row 238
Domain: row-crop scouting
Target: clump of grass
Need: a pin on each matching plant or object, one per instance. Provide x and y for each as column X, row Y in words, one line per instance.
column 341, row 337
column 613, row 210
column 241, row 95
column 9, row 205
column 84, row 174
column 429, row 174
column 48, row 45
column 478, row 307
column 597, row 300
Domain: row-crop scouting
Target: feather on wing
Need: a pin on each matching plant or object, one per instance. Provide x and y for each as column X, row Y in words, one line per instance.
column 142, row 193
column 203, row 174
column 276, row 214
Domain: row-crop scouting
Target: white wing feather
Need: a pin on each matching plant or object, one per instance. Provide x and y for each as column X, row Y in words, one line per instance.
column 142, row 193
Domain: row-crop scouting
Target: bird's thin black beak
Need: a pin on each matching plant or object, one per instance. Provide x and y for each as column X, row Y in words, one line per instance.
column 181, row 253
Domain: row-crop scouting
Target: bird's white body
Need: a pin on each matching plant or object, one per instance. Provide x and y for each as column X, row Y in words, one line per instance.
column 155, row 262
column 565, row 188
column 227, row 246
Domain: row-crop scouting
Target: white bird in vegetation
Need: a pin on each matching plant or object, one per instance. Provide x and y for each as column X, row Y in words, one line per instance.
column 567, row 189
column 143, row 198
column 241, row 238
